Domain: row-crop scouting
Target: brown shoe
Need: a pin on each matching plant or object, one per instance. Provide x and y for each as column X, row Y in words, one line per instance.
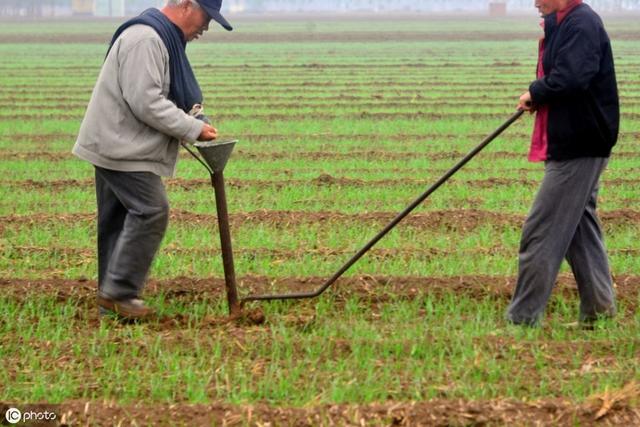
column 133, row 308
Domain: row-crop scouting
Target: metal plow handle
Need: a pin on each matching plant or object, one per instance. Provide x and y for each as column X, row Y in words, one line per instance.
column 393, row 223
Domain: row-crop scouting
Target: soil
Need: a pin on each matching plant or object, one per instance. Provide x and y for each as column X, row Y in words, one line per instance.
column 321, row 181
column 312, row 155
column 319, row 253
column 285, row 117
column 618, row 407
column 454, row 219
column 372, row 289
column 437, row 412
column 337, row 103
column 312, row 37
column 611, row 408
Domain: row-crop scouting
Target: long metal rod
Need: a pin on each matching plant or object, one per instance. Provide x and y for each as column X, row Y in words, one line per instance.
column 393, row 223
column 217, row 180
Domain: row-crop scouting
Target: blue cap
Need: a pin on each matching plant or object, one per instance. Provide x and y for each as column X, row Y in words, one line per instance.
column 212, row 7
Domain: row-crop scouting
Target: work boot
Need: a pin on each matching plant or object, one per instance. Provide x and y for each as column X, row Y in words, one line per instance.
column 133, row 308
column 594, row 316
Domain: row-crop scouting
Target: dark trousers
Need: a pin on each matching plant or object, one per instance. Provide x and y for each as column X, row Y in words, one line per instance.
column 563, row 224
column 133, row 213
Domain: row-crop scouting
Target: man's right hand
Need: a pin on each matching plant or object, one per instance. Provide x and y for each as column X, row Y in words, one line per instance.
column 525, row 103
column 208, row 133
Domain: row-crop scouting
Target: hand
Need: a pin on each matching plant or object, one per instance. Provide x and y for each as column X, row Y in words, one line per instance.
column 208, row 133
column 526, row 103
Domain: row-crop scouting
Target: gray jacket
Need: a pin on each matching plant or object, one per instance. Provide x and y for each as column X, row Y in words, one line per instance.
column 130, row 124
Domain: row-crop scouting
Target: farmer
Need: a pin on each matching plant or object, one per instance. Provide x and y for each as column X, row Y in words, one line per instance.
column 137, row 114
column 577, row 117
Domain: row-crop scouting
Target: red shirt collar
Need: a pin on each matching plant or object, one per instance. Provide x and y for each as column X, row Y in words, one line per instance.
column 561, row 14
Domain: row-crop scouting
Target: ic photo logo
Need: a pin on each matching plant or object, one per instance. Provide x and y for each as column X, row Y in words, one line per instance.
column 14, row 416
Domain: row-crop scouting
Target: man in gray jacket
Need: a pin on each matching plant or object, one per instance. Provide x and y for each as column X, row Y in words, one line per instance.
column 138, row 113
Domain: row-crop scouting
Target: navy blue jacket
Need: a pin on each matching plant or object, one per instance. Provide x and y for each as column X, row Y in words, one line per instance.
column 579, row 87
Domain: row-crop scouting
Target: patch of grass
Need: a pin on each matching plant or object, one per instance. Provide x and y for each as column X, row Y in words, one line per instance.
column 323, row 352
column 390, row 116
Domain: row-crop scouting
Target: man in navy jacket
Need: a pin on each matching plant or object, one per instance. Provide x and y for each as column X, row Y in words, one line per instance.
column 575, row 98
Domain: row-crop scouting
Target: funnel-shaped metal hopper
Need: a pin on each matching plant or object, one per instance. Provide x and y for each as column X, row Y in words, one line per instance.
column 216, row 153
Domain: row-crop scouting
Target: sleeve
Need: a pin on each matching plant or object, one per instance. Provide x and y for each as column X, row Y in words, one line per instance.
column 140, row 75
column 576, row 63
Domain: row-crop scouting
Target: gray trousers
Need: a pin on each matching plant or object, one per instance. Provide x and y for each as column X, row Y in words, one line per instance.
column 563, row 224
column 133, row 213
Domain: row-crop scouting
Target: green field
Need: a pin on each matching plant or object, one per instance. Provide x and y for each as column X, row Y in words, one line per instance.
column 341, row 123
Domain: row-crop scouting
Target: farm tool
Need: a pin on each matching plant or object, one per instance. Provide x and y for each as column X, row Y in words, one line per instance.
column 216, row 154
